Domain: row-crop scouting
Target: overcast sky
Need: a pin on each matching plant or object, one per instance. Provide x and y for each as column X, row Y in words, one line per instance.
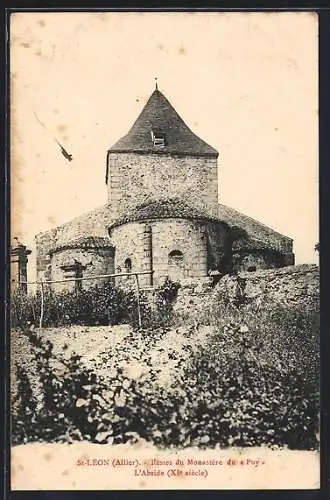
column 246, row 83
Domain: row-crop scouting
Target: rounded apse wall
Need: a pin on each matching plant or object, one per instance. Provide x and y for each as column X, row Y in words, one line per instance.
column 94, row 261
column 174, row 248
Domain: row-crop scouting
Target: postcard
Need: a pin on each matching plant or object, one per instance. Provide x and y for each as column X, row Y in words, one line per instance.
column 164, row 250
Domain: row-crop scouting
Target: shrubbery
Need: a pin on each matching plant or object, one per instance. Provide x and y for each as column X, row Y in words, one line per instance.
column 165, row 297
column 253, row 382
column 264, row 369
column 98, row 305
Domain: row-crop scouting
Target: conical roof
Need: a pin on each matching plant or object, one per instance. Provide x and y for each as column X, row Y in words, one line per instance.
column 162, row 209
column 159, row 119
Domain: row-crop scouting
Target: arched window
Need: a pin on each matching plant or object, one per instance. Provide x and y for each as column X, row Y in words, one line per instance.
column 128, row 265
column 175, row 258
column 176, row 265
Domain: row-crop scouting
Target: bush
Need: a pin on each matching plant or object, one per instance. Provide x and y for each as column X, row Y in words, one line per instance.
column 99, row 305
column 235, row 389
column 284, row 337
column 166, row 295
column 249, row 395
column 158, row 311
column 65, row 383
column 254, row 380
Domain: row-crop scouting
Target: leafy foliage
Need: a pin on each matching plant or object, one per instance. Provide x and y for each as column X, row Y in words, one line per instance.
column 254, row 389
column 253, row 380
column 164, row 300
column 98, row 305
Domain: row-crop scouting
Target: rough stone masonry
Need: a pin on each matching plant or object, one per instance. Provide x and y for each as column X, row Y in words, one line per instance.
column 288, row 286
column 163, row 214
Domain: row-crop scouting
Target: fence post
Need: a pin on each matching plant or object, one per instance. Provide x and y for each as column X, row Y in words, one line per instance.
column 42, row 304
column 138, row 299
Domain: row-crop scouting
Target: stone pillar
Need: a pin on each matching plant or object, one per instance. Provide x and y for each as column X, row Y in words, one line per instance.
column 18, row 266
column 144, row 254
column 147, row 250
column 203, row 253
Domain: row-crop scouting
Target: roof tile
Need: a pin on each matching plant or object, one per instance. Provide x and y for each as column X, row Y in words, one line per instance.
column 159, row 116
column 161, row 209
column 84, row 243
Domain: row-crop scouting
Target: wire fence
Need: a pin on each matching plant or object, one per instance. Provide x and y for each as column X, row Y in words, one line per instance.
column 42, row 284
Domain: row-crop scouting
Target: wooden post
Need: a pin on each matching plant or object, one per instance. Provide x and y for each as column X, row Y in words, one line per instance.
column 138, row 299
column 42, row 304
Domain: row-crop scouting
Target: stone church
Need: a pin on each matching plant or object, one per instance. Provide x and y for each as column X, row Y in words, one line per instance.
column 162, row 214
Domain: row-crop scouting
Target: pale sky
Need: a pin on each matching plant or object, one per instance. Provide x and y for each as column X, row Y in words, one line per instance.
column 246, row 83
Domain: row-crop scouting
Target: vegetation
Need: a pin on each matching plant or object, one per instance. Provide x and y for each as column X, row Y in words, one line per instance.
column 98, row 305
column 252, row 381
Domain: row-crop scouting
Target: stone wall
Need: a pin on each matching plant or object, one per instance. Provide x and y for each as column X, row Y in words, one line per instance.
column 289, row 286
column 193, row 301
column 44, row 242
column 97, row 261
column 168, row 235
column 257, row 260
column 18, row 266
column 93, row 223
column 139, row 178
column 286, row 285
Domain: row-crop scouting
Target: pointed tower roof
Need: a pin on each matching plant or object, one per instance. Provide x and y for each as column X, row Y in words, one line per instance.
column 159, row 129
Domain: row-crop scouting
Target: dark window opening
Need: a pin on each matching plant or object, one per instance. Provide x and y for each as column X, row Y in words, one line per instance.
column 175, row 257
column 252, row 268
column 128, row 265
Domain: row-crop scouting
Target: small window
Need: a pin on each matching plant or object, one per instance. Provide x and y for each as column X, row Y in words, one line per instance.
column 128, row 265
column 175, row 257
column 252, row 268
column 158, row 139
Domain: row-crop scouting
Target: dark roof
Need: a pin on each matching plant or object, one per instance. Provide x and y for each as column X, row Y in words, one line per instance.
column 248, row 244
column 159, row 116
column 85, row 242
column 247, row 232
column 164, row 209
column 253, row 230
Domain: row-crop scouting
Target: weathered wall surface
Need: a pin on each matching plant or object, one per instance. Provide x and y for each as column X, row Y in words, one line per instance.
column 97, row 261
column 288, row 286
column 168, row 235
column 252, row 261
column 139, row 178
column 219, row 253
column 193, row 301
column 257, row 260
column 18, row 265
column 93, row 223
column 44, row 242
